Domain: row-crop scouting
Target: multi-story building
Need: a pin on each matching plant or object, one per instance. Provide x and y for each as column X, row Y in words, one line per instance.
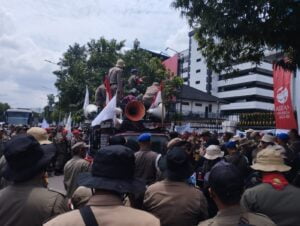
column 193, row 68
column 250, row 90
column 184, row 66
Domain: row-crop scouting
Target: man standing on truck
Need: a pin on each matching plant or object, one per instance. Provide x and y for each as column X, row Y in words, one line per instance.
column 115, row 76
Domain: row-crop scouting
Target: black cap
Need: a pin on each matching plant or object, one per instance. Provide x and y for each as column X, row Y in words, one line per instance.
column 227, row 182
column 113, row 169
column 178, row 164
column 25, row 158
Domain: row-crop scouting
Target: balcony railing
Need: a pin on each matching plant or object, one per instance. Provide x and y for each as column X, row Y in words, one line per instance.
column 247, row 106
column 245, row 79
column 246, row 92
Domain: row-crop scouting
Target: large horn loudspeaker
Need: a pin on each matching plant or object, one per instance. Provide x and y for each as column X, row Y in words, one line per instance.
column 158, row 112
column 135, row 111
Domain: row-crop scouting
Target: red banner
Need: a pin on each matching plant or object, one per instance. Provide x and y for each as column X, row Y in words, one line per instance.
column 284, row 113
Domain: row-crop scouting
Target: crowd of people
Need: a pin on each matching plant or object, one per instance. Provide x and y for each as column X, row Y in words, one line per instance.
column 202, row 179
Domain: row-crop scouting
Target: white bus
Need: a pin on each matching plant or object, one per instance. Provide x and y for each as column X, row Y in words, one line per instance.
column 19, row 116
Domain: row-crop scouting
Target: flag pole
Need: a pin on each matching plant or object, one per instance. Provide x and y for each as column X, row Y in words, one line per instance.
column 162, row 109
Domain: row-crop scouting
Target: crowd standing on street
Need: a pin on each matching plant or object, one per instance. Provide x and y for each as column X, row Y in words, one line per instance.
column 201, row 179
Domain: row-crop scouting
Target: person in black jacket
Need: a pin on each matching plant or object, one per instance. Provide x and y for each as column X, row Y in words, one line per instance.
column 237, row 158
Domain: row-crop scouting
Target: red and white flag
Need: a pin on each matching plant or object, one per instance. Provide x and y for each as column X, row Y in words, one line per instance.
column 108, row 90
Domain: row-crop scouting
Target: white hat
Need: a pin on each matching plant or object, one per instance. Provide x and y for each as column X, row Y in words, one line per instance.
column 249, row 130
column 213, row 152
column 268, row 138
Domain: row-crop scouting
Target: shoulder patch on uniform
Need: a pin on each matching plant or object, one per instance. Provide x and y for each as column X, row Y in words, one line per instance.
column 63, row 193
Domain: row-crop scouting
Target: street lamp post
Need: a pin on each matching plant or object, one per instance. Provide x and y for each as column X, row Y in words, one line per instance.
column 51, row 62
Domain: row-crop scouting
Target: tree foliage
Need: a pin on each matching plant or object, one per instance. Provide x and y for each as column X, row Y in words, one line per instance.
column 49, row 108
column 83, row 65
column 3, row 108
column 238, row 31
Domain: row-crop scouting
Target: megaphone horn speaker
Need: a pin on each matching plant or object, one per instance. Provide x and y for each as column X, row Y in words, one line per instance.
column 158, row 112
column 135, row 111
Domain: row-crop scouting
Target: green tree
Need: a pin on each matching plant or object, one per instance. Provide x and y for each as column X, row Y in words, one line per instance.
column 71, row 79
column 88, row 64
column 239, row 31
column 150, row 68
column 81, row 66
column 3, row 108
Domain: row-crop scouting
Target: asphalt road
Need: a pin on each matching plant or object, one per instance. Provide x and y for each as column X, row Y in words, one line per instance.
column 56, row 183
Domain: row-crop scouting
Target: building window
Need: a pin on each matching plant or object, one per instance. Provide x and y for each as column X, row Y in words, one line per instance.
column 197, row 82
column 198, row 60
column 209, row 108
column 185, row 103
column 198, row 48
column 198, row 104
column 184, row 70
column 209, row 72
column 197, row 71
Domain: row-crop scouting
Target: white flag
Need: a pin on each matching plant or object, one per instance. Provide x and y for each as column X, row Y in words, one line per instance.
column 45, row 124
column 157, row 100
column 86, row 99
column 297, row 97
column 64, row 122
column 108, row 112
column 69, row 126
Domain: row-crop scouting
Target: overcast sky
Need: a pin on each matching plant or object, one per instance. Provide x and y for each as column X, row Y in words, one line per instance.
column 34, row 30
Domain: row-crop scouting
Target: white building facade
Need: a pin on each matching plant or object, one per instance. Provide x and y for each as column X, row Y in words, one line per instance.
column 197, row 103
column 193, row 68
column 250, row 90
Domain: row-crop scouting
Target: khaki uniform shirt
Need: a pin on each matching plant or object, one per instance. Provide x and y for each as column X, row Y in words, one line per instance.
column 175, row 203
column 150, row 94
column 116, row 82
column 145, row 165
column 234, row 215
column 282, row 206
column 72, row 169
column 100, row 95
column 109, row 211
column 29, row 204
